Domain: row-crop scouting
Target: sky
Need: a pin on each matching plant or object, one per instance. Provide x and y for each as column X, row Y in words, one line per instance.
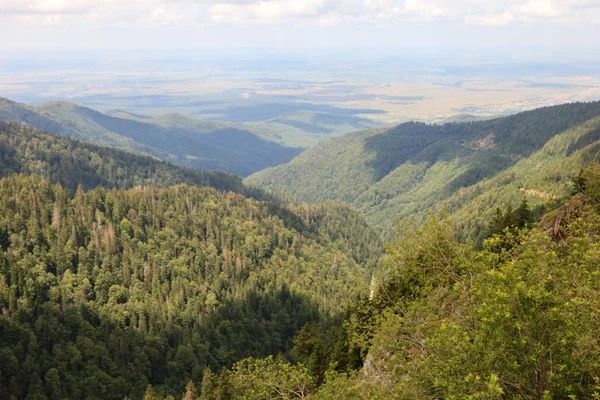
column 289, row 24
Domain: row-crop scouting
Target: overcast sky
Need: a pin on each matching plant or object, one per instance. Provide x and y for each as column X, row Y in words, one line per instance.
column 108, row 24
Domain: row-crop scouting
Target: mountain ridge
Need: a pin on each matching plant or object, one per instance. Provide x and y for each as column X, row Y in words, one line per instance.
column 414, row 168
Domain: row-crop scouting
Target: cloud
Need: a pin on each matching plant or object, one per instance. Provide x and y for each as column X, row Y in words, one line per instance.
column 427, row 9
column 329, row 20
column 501, row 19
column 271, row 11
column 329, row 12
column 52, row 7
column 315, row 12
column 541, row 9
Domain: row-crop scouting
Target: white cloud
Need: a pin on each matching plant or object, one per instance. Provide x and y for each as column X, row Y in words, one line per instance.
column 54, row 7
column 317, row 12
column 328, row 12
column 428, row 9
column 501, row 19
column 541, row 9
column 271, row 11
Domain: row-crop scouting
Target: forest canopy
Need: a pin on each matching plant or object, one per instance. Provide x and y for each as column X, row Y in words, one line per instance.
column 146, row 280
column 106, row 291
column 518, row 319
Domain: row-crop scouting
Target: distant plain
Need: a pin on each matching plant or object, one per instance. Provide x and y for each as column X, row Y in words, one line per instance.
column 386, row 86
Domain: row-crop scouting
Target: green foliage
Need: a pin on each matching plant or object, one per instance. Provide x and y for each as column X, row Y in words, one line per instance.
column 269, row 378
column 106, row 291
column 512, row 325
column 470, row 168
column 158, row 293
column 72, row 163
column 454, row 323
column 258, row 379
column 505, row 225
column 190, row 392
column 339, row 386
column 309, row 351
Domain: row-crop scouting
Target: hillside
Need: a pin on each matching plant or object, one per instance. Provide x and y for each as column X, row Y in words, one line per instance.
column 222, row 147
column 105, row 291
column 414, row 168
column 515, row 320
column 71, row 163
column 238, row 148
column 11, row 111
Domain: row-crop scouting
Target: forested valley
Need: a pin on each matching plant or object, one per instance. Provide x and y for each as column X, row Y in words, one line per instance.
column 122, row 276
column 107, row 291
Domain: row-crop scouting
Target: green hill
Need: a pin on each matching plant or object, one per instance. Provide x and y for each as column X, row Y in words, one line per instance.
column 222, row 147
column 292, row 129
column 271, row 131
column 322, row 123
column 43, row 120
column 414, row 168
column 125, row 276
column 71, row 163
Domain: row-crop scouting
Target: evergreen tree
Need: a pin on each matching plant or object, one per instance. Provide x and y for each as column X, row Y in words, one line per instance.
column 523, row 215
column 308, row 350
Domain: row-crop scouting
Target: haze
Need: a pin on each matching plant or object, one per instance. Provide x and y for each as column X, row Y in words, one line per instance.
column 388, row 61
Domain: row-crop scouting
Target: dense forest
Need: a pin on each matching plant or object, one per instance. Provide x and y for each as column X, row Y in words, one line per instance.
column 107, row 290
column 103, row 292
column 470, row 168
column 518, row 319
column 72, row 163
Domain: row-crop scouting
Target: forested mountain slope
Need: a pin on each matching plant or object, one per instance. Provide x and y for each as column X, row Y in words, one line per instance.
column 225, row 148
column 72, row 163
column 105, row 291
column 516, row 320
column 409, row 170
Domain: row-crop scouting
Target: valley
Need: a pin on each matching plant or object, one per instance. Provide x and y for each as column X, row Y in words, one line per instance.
column 299, row 200
column 395, row 226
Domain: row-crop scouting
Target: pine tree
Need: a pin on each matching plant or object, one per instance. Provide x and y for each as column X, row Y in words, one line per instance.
column 523, row 214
